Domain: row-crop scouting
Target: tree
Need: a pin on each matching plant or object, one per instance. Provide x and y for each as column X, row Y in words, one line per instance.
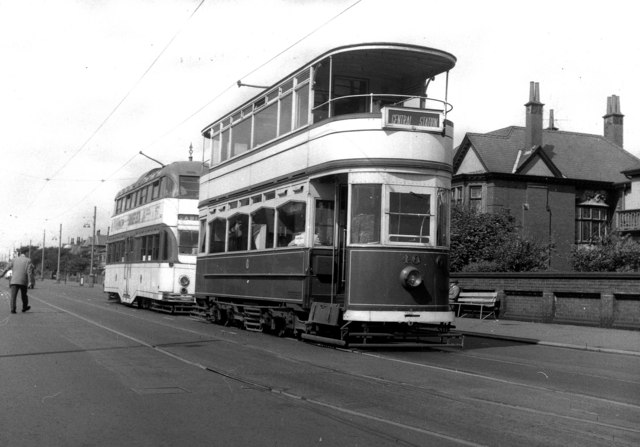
column 491, row 242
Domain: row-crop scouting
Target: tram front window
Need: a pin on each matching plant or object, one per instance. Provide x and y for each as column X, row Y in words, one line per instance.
column 365, row 214
column 409, row 217
column 187, row 242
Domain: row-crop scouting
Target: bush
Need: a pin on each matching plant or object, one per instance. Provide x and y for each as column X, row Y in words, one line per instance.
column 483, row 242
column 612, row 254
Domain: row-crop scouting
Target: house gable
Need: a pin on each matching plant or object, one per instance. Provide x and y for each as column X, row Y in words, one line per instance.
column 471, row 163
column 537, row 167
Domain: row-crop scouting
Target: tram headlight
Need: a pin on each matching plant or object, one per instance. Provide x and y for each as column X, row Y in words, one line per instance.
column 410, row 277
column 184, row 281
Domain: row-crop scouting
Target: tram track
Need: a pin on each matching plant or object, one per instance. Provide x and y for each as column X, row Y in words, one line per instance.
column 375, row 355
column 305, row 400
column 169, row 348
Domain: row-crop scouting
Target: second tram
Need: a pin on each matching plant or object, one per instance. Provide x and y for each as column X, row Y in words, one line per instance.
column 151, row 248
column 325, row 210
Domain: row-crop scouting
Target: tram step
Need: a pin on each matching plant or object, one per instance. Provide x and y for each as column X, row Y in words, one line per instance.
column 252, row 319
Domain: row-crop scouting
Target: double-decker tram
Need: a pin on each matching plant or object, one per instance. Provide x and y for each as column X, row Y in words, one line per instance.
column 325, row 209
column 152, row 245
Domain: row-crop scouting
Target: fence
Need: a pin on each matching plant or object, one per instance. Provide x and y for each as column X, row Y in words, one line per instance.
column 610, row 300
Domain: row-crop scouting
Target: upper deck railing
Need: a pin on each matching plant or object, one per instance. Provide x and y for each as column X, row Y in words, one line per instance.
column 628, row 220
column 373, row 103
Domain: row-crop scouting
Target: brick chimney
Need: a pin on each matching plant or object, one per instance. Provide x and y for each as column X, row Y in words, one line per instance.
column 552, row 123
column 533, row 131
column 613, row 121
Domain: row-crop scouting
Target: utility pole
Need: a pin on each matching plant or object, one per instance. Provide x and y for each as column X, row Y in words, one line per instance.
column 44, row 233
column 59, row 250
column 93, row 243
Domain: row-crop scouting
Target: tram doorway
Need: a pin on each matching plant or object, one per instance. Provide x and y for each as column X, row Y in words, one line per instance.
column 328, row 256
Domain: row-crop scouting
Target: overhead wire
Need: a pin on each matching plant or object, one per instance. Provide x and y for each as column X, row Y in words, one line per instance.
column 113, row 111
column 231, row 86
column 235, row 84
column 135, row 85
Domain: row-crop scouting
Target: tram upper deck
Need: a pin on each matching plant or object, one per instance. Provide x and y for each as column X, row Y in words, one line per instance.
column 355, row 106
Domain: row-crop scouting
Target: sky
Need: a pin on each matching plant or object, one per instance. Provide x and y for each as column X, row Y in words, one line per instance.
column 86, row 85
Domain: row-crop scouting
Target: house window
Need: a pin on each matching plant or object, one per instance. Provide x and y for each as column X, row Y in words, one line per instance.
column 456, row 195
column 591, row 223
column 475, row 198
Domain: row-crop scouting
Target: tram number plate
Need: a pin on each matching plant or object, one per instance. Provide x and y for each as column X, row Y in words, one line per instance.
column 413, row 119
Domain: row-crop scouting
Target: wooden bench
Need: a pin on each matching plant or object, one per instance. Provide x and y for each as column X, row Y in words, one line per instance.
column 486, row 303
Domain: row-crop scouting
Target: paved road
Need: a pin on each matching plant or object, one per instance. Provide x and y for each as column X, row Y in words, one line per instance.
column 81, row 370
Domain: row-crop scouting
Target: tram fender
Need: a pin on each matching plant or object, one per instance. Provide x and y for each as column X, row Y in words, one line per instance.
column 325, row 313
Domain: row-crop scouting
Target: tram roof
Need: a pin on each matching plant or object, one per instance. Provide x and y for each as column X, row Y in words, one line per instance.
column 175, row 168
column 387, row 58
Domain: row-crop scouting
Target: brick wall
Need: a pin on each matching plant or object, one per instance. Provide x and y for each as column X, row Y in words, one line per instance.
column 593, row 299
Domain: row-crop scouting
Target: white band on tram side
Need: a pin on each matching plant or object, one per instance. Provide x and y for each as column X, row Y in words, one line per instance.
column 398, row 316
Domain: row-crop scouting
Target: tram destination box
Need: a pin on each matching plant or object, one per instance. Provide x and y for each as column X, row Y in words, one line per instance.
column 412, row 119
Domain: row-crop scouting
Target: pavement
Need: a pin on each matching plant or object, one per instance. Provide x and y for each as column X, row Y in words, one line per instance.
column 618, row 341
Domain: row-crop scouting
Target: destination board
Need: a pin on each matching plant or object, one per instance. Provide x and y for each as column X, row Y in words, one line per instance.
column 413, row 119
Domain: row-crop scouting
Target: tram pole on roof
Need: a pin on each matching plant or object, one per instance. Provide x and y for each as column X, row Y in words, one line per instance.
column 242, row 84
column 152, row 159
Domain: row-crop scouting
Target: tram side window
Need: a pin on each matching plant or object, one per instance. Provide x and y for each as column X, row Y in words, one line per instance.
column 224, row 145
column 203, row 236
column 155, row 247
column 149, row 247
column 241, row 137
column 409, row 217
column 217, row 231
column 142, row 197
column 266, row 124
column 168, row 188
column 291, row 224
column 155, row 189
column 324, row 223
column 215, row 149
column 127, row 203
column 442, row 232
column 286, row 105
column 238, row 237
column 165, row 248
column 142, row 254
column 366, row 201
column 262, row 222
column 187, row 242
column 302, row 106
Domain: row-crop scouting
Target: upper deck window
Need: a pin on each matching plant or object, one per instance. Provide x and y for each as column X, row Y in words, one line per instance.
column 358, row 80
column 351, row 90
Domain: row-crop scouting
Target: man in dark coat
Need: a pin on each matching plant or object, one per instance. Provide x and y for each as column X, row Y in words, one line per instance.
column 21, row 269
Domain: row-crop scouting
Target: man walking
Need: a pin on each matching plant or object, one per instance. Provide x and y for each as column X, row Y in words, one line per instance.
column 21, row 269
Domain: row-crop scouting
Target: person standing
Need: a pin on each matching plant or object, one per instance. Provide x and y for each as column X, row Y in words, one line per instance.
column 21, row 270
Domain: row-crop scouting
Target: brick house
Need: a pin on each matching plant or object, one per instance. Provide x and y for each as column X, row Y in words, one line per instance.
column 561, row 186
column 628, row 213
